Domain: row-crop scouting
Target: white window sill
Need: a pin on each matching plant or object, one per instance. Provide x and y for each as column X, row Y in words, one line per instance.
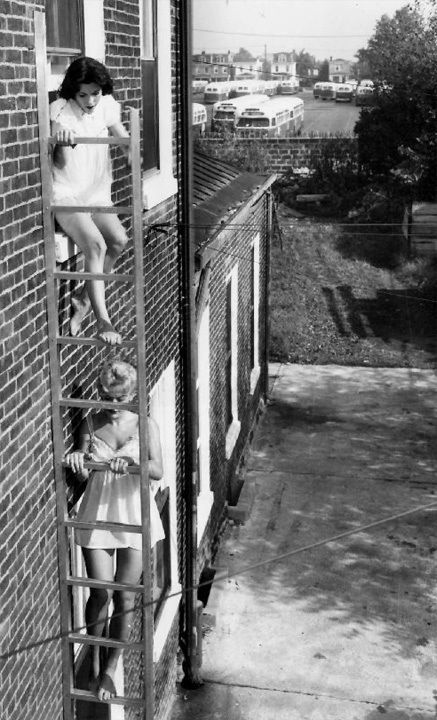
column 165, row 621
column 158, row 187
column 205, row 502
column 232, row 437
column 64, row 247
column 254, row 377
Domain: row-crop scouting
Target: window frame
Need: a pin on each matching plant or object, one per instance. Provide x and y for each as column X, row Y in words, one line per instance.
column 233, row 429
column 163, row 411
column 255, row 329
column 159, row 183
column 205, row 497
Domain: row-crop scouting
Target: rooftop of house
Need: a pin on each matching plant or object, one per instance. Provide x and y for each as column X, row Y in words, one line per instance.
column 219, row 191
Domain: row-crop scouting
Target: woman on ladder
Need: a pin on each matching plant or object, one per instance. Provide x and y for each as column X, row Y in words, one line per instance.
column 82, row 176
column 114, row 495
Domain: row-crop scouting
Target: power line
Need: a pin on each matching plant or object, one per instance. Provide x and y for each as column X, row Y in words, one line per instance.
column 239, row 571
column 288, row 36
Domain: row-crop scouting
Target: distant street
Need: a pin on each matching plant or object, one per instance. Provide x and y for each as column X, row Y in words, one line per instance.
column 321, row 116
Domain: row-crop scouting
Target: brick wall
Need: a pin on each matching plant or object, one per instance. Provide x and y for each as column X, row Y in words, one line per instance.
column 276, row 155
column 31, row 682
column 235, row 247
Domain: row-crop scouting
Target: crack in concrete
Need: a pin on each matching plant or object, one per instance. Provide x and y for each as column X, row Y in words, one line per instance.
column 303, row 693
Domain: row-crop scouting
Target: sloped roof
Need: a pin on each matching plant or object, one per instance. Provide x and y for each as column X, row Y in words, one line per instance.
column 219, row 189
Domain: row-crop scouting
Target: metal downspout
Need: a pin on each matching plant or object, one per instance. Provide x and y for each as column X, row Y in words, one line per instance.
column 189, row 351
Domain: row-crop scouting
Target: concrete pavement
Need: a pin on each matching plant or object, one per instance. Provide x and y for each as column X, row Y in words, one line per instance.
column 346, row 630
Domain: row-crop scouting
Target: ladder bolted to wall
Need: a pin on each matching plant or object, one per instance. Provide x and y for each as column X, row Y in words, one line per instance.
column 58, row 402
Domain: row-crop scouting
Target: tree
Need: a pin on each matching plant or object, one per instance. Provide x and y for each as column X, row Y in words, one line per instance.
column 305, row 64
column 243, row 55
column 324, row 71
column 397, row 136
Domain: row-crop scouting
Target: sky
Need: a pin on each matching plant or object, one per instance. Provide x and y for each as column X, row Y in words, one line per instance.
column 324, row 28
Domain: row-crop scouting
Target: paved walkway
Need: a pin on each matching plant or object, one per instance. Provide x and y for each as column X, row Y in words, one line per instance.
column 346, row 630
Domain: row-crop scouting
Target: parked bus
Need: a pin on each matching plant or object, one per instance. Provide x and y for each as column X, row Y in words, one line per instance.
column 245, row 87
column 316, row 89
column 216, row 91
column 199, row 118
column 199, row 86
column 364, row 95
column 224, row 112
column 344, row 93
column 327, row 91
column 279, row 116
column 288, row 87
column 270, row 87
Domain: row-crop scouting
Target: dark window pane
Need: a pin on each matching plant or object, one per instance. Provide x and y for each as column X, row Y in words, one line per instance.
column 150, row 114
column 161, row 553
column 228, row 365
column 252, row 307
column 64, row 19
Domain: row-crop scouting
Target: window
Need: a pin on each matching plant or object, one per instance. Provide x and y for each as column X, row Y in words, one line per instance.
column 205, row 496
column 166, row 586
column 65, row 26
column 73, row 28
column 158, row 181
column 254, row 314
column 161, row 553
column 149, row 73
column 231, row 362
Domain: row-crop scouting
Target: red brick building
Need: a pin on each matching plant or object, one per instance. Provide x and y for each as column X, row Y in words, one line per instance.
column 129, row 37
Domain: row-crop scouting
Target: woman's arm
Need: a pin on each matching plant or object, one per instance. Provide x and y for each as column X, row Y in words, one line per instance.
column 64, row 137
column 75, row 459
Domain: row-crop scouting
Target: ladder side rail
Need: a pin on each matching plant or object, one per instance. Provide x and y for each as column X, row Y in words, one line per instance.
column 137, row 232
column 55, row 382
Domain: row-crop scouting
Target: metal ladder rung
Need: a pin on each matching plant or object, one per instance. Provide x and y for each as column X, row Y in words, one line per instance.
column 84, row 140
column 74, row 581
column 98, row 404
column 103, row 525
column 67, row 340
column 134, row 469
column 119, row 209
column 90, row 697
column 110, row 277
column 105, row 642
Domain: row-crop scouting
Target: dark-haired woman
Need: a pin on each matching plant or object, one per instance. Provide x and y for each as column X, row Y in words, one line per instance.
column 82, row 175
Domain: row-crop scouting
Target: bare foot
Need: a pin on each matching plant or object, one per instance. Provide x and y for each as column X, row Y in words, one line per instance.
column 106, row 689
column 81, row 307
column 106, row 332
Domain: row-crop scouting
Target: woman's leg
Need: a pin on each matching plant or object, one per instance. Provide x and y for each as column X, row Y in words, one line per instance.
column 85, row 233
column 99, row 566
column 129, row 570
column 114, row 235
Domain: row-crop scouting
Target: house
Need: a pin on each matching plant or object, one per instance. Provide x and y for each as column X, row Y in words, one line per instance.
column 247, row 67
column 212, row 66
column 146, row 46
column 284, row 65
column 340, row 71
column 232, row 218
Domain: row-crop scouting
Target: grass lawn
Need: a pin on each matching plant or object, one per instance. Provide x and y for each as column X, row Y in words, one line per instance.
column 350, row 296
